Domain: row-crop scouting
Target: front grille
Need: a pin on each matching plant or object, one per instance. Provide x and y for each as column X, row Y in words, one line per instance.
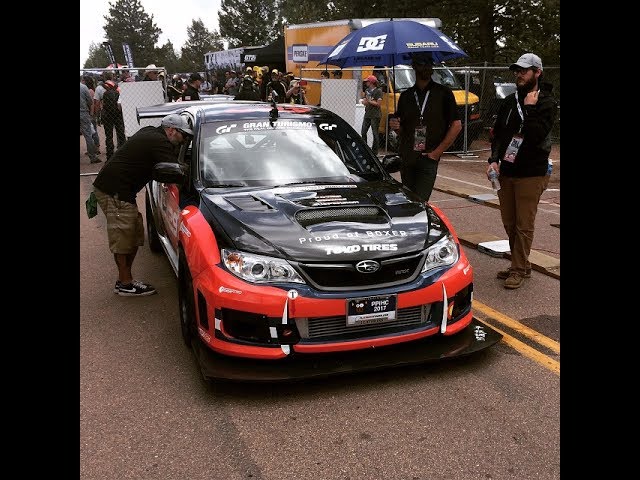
column 324, row 329
column 339, row 276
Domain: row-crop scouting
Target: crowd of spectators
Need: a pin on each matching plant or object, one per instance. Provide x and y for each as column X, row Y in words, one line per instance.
column 254, row 83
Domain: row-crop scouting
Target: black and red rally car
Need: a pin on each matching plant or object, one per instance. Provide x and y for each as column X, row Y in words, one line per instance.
column 297, row 254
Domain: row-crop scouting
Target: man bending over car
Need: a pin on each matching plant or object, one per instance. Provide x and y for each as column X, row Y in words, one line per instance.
column 120, row 179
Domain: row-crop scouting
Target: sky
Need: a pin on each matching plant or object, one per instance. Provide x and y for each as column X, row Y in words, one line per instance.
column 171, row 16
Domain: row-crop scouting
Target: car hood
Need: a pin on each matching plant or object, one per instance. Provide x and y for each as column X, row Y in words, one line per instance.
column 314, row 222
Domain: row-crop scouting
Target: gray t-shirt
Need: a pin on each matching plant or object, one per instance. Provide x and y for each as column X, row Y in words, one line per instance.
column 85, row 99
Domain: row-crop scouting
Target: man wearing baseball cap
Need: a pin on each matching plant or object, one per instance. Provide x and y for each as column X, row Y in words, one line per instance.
column 371, row 99
column 520, row 151
column 428, row 122
column 528, row 60
column 193, row 87
column 124, row 174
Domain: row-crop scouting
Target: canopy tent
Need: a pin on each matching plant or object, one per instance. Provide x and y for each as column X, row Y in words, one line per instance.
column 272, row 55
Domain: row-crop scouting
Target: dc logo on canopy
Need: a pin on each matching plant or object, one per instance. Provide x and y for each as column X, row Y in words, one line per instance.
column 371, row 43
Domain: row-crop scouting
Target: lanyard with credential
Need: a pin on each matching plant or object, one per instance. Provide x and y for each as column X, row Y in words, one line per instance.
column 424, row 103
column 521, row 114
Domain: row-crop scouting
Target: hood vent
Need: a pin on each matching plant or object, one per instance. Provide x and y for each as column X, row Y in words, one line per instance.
column 249, row 203
column 314, row 216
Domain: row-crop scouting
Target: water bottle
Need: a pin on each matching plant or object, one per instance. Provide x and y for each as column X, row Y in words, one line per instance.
column 549, row 167
column 495, row 183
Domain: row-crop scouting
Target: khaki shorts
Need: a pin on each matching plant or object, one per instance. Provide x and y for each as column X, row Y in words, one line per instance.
column 125, row 229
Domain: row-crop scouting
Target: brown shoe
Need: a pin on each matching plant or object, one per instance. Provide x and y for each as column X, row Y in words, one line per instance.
column 514, row 280
column 503, row 274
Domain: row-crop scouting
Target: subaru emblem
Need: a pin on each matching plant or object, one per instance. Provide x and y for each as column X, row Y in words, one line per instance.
column 367, row 266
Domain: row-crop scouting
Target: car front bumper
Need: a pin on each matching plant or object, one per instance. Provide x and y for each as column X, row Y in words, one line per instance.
column 475, row 337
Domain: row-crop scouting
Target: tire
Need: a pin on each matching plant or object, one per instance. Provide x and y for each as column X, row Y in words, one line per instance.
column 152, row 232
column 186, row 303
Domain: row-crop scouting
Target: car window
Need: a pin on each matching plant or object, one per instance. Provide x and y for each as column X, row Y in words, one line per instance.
column 259, row 153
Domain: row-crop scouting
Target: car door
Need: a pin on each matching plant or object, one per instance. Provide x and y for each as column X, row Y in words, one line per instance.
column 169, row 201
column 168, row 195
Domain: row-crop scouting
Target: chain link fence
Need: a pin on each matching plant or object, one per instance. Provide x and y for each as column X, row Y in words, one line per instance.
column 479, row 92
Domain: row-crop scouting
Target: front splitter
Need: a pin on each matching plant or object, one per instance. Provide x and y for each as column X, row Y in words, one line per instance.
column 474, row 338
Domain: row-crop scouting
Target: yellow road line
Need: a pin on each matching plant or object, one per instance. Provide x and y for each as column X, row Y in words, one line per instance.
column 518, row 327
column 526, row 350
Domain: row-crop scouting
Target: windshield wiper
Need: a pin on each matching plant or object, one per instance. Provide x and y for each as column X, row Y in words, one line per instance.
column 307, row 182
column 225, row 185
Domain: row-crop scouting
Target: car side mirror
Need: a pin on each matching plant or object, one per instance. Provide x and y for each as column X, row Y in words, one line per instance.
column 391, row 163
column 169, row 172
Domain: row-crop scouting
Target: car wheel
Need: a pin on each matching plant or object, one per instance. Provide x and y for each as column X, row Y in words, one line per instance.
column 152, row 232
column 187, row 303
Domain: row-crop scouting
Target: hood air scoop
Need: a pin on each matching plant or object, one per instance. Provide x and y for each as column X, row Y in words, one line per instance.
column 314, row 216
column 249, row 203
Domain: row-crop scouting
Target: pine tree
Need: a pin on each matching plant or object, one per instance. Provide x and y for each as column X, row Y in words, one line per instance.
column 245, row 23
column 199, row 41
column 127, row 22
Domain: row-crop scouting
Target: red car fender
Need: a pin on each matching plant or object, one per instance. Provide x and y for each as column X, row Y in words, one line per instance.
column 203, row 252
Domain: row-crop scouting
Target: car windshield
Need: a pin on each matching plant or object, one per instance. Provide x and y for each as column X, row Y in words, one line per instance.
column 406, row 78
column 283, row 152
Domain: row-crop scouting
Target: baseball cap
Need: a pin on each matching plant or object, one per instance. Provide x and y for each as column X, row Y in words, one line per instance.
column 178, row 122
column 527, row 60
column 195, row 76
column 421, row 58
column 372, row 78
column 274, row 72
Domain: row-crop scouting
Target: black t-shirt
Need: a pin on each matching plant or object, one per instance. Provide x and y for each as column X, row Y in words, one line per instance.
column 129, row 168
column 439, row 112
column 279, row 88
column 191, row 93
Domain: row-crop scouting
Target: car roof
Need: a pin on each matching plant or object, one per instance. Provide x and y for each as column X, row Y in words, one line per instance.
column 221, row 110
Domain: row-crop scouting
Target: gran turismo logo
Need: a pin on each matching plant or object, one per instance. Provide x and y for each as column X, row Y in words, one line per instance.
column 327, row 126
column 225, row 128
column 371, row 43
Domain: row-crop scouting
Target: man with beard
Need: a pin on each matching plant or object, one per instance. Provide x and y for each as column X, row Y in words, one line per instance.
column 126, row 172
column 428, row 122
column 520, row 154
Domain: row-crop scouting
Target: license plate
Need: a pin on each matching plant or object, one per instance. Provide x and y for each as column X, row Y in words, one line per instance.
column 371, row 310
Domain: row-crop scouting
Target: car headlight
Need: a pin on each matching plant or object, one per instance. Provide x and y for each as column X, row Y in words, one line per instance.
column 442, row 253
column 258, row 268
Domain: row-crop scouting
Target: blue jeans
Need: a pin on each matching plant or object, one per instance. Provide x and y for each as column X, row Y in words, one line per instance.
column 85, row 128
column 96, row 137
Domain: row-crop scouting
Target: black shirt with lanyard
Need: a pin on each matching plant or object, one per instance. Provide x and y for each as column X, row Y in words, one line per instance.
column 433, row 108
